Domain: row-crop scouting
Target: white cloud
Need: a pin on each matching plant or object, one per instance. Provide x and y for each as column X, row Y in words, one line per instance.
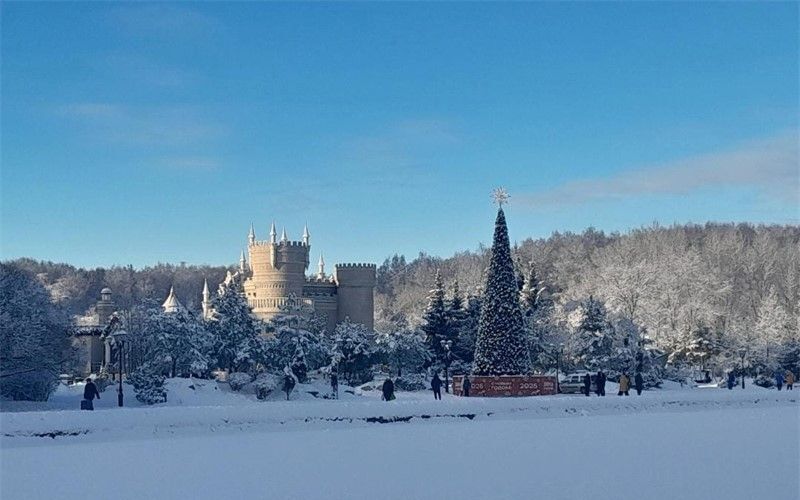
column 768, row 166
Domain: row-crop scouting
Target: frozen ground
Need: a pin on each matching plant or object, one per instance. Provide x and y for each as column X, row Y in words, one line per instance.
column 686, row 444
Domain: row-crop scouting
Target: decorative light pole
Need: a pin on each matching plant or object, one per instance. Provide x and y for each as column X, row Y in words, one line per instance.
column 559, row 354
column 119, row 340
column 448, row 357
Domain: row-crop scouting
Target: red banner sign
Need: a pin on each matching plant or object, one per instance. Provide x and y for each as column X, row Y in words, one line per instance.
column 506, row 385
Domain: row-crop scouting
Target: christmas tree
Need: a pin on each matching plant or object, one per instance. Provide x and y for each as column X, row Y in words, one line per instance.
column 501, row 348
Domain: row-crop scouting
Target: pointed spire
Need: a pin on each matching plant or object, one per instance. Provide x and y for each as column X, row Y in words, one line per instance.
column 206, row 303
column 206, row 293
column 272, row 233
column 242, row 262
column 172, row 304
column 251, row 236
column 284, row 239
column 306, row 236
column 321, row 267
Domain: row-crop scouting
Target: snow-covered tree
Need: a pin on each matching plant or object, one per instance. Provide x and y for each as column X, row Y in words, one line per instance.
column 405, row 349
column 435, row 324
column 34, row 337
column 237, row 344
column 501, row 347
column 148, row 383
column 293, row 329
column 189, row 344
column 467, row 333
column 591, row 346
column 352, row 352
column 774, row 330
column 298, row 365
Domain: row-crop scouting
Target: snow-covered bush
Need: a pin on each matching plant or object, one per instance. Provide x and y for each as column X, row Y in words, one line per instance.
column 148, row 384
column 411, row 382
column 265, row 384
column 352, row 352
column 764, row 380
column 238, row 380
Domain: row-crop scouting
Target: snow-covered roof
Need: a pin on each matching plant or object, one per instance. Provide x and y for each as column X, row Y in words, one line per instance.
column 172, row 304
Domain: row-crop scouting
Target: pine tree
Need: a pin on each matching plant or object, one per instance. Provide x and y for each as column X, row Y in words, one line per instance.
column 464, row 346
column 434, row 319
column 148, row 383
column 405, row 349
column 501, row 347
column 237, row 344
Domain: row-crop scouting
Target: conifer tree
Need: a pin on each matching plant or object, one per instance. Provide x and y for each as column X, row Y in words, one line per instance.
column 435, row 318
column 592, row 346
column 501, row 348
column 237, row 346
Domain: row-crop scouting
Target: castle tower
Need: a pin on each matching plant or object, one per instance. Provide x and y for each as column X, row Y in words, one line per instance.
column 277, row 275
column 242, row 263
column 105, row 307
column 251, row 236
column 355, row 290
column 207, row 311
column 306, row 236
column 272, row 233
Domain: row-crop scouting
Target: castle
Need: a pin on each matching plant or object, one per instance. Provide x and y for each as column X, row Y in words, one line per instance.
column 275, row 281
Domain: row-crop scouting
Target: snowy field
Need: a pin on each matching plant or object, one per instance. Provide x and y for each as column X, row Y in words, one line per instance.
column 668, row 444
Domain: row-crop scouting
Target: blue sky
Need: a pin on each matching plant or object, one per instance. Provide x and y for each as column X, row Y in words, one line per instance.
column 139, row 133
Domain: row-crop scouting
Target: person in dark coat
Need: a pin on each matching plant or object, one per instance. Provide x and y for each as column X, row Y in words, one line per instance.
column 731, row 380
column 388, row 390
column 638, row 382
column 601, row 383
column 89, row 393
column 778, row 380
column 466, row 384
column 587, row 384
column 335, row 385
column 436, row 385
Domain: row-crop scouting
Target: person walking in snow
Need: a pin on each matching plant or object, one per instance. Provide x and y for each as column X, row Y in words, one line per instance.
column 624, row 384
column 731, row 380
column 466, row 384
column 638, row 383
column 388, row 390
column 288, row 384
column 778, row 379
column 789, row 380
column 335, row 385
column 89, row 393
column 601, row 383
column 436, row 385
column 587, row 384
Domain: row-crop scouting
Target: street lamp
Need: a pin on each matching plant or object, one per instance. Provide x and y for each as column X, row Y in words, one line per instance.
column 119, row 340
column 448, row 356
column 559, row 353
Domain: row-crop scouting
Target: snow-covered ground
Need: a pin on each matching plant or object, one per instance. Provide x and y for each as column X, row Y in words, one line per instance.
column 209, row 443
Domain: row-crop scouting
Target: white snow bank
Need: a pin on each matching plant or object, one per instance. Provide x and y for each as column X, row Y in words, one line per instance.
column 236, row 411
column 741, row 454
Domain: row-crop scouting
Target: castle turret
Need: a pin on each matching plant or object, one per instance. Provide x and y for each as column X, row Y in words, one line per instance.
column 284, row 239
column 321, row 268
column 251, row 236
column 272, row 234
column 206, row 301
column 355, row 290
column 172, row 304
column 306, row 236
column 242, row 263
column 105, row 307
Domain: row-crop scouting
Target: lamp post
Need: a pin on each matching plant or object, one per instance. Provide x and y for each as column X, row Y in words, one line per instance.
column 119, row 340
column 558, row 368
column 446, row 345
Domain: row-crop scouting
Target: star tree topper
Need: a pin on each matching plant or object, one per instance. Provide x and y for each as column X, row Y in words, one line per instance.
column 500, row 196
